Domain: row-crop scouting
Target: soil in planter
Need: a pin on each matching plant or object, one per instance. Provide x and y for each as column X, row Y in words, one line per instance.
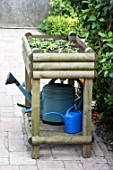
column 50, row 45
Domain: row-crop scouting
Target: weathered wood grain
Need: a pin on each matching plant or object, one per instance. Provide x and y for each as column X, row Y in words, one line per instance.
column 87, row 101
column 61, row 140
column 63, row 74
column 64, row 57
column 63, row 66
column 35, row 115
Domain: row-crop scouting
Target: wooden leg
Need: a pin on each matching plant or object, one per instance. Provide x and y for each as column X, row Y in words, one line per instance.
column 27, row 86
column 87, row 101
column 35, row 115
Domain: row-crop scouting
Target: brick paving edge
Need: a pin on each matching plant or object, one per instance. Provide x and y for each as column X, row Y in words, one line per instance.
column 104, row 148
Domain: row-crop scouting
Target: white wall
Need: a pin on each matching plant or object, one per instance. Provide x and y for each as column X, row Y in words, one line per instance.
column 22, row 13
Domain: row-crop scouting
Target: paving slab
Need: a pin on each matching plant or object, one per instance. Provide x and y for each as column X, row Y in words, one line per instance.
column 4, row 142
column 15, row 152
column 50, row 164
column 21, row 158
column 4, row 161
column 17, row 145
column 9, row 167
column 28, row 167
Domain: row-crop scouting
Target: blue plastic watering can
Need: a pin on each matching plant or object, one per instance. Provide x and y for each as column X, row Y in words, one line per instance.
column 72, row 119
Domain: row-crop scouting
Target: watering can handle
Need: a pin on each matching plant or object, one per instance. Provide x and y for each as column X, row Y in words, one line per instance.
column 52, row 81
column 72, row 107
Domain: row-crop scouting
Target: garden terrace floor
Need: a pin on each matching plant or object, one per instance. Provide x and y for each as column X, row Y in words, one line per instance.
column 14, row 148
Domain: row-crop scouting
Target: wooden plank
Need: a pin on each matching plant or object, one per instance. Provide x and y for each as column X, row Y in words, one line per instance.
column 27, row 128
column 24, row 56
column 28, row 63
column 29, row 35
column 50, row 130
column 89, row 50
column 35, row 114
column 64, row 57
column 27, row 86
column 63, row 66
column 87, row 101
column 61, row 139
column 63, row 74
column 26, row 46
column 81, row 42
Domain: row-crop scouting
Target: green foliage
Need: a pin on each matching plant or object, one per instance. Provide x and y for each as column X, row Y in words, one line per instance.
column 96, row 24
column 97, row 20
column 59, row 25
column 42, row 26
column 103, row 88
column 62, row 19
column 50, row 45
column 61, row 7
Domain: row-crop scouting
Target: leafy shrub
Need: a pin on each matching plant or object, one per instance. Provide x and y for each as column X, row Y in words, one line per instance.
column 60, row 7
column 42, row 26
column 97, row 20
column 59, row 25
column 62, row 18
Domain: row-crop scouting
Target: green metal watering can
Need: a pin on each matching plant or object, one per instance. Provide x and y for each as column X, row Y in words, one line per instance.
column 54, row 97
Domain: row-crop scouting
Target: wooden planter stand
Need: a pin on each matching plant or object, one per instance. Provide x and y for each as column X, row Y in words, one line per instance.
column 47, row 65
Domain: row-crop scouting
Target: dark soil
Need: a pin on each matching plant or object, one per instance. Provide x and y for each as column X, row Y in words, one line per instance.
column 81, row 49
column 55, row 46
column 105, row 132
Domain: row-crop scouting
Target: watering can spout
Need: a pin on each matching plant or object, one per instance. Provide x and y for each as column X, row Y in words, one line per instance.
column 55, row 113
column 72, row 119
column 11, row 79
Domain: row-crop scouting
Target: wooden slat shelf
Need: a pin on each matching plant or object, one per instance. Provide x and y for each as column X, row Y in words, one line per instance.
column 53, row 134
column 46, row 129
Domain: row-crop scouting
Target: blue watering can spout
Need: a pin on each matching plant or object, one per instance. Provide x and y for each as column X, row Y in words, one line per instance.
column 72, row 119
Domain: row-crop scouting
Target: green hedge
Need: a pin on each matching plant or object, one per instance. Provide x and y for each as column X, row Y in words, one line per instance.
column 96, row 17
column 59, row 25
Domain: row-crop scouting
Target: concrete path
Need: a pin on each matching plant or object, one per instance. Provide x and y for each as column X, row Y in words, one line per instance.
column 14, row 149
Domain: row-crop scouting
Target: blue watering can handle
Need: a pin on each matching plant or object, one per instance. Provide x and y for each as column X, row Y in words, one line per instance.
column 76, row 107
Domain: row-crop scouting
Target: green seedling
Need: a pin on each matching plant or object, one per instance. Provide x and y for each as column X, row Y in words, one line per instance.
column 51, row 45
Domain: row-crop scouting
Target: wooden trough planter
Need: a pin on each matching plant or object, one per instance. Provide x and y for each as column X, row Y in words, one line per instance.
column 64, row 66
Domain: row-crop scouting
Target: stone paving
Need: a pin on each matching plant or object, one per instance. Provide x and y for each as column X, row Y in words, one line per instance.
column 14, row 149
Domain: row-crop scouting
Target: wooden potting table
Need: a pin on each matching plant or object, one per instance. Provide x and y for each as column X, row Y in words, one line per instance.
column 63, row 66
